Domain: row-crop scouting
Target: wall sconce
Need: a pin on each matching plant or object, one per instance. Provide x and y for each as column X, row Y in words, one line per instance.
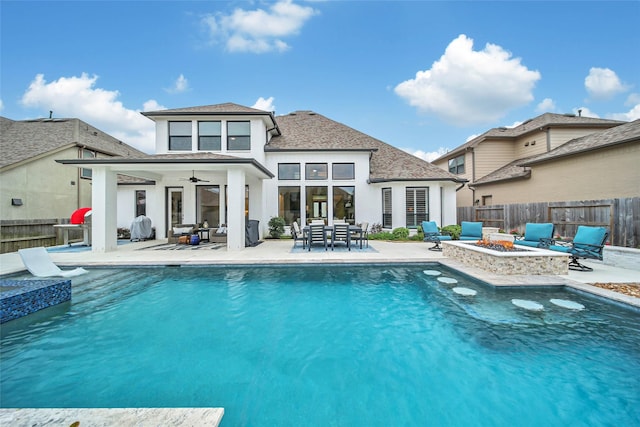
column 16, row 202
column 533, row 143
column 526, row 144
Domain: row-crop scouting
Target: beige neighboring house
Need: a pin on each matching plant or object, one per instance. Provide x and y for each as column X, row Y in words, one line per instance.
column 32, row 185
column 495, row 163
column 601, row 165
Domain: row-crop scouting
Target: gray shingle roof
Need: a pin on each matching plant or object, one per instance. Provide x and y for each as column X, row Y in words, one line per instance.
column 26, row 139
column 621, row 134
column 224, row 108
column 625, row 133
column 309, row 131
column 532, row 125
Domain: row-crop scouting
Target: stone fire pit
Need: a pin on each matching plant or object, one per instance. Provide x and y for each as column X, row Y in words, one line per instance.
column 529, row 261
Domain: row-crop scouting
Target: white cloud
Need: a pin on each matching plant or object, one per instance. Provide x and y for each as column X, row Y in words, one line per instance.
column 265, row 104
column 631, row 115
column 258, row 31
column 585, row 112
column 429, row 156
column 470, row 87
column 181, row 85
column 1, row 105
column 79, row 98
column 603, row 83
column 546, row 105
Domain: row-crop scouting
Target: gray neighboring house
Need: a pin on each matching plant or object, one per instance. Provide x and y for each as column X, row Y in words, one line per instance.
column 34, row 188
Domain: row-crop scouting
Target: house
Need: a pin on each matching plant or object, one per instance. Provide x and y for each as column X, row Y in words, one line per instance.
column 36, row 189
column 496, row 154
column 601, row 165
column 227, row 163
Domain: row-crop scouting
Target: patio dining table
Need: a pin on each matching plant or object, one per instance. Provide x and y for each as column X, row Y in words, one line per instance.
column 328, row 228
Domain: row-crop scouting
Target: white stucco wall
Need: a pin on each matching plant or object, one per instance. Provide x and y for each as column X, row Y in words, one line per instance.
column 126, row 200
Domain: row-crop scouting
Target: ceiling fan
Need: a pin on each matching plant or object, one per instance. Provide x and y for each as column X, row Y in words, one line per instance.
column 193, row 178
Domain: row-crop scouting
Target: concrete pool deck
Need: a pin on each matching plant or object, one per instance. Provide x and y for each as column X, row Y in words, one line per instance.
column 271, row 252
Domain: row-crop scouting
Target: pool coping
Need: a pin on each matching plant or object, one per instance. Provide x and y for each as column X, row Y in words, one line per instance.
column 35, row 417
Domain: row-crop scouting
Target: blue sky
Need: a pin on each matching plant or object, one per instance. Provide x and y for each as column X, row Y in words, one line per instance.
column 424, row 76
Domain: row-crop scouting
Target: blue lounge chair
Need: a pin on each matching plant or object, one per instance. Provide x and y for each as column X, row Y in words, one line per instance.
column 537, row 235
column 433, row 235
column 587, row 243
column 471, row 230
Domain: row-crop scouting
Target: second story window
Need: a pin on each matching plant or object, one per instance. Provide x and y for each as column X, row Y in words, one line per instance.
column 456, row 165
column 180, row 136
column 239, row 135
column 316, row 171
column 209, row 136
column 288, row 170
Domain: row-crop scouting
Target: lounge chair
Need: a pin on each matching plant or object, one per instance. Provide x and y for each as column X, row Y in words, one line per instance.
column 471, row 230
column 587, row 243
column 537, row 235
column 39, row 264
column 433, row 235
column 341, row 233
column 180, row 230
column 317, row 235
column 297, row 235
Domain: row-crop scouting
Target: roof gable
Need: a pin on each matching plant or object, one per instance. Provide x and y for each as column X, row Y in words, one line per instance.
column 27, row 139
column 309, row 131
column 532, row 125
column 224, row 108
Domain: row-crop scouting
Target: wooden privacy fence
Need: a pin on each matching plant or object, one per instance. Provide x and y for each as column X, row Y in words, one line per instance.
column 620, row 216
column 25, row 233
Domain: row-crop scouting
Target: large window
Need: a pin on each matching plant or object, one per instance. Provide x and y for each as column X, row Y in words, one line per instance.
column 316, row 171
column 417, row 209
column 344, row 171
column 85, row 172
column 288, row 170
column 209, row 136
column 456, row 165
column 316, row 204
column 386, row 208
column 238, row 135
column 344, row 206
column 141, row 202
column 180, row 136
column 208, row 204
column 289, row 204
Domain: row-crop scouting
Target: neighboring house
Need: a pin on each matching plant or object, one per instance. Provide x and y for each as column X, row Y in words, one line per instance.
column 32, row 185
column 484, row 158
column 601, row 165
column 228, row 163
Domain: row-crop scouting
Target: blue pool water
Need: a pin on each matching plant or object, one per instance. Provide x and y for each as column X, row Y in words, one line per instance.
column 382, row 345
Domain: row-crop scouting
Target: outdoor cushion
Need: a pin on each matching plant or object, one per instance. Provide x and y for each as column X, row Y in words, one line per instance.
column 182, row 230
column 535, row 232
column 589, row 236
column 471, row 230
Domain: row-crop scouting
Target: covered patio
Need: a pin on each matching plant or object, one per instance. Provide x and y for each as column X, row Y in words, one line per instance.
column 238, row 179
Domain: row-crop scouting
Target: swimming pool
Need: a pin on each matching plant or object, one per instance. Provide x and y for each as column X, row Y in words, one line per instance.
column 338, row 345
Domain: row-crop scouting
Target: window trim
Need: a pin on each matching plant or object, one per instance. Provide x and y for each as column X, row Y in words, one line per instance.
column 320, row 176
column 456, row 163
column 418, row 217
column 190, row 135
column 387, row 215
column 230, row 136
column 219, row 135
column 353, row 171
column 87, row 173
column 281, row 178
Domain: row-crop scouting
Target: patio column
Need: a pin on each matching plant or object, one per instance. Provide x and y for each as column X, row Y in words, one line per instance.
column 104, row 210
column 235, row 210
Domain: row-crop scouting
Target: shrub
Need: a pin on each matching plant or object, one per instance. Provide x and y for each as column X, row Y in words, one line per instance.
column 400, row 233
column 383, row 235
column 452, row 230
column 276, row 227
